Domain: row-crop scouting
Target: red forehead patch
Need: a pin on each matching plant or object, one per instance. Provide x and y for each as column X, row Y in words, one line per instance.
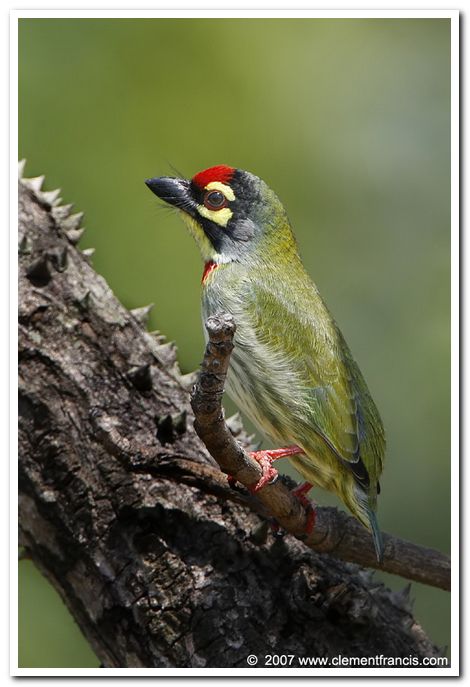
column 220, row 173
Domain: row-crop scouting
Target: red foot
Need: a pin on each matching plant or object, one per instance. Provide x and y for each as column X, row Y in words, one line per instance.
column 265, row 458
column 300, row 493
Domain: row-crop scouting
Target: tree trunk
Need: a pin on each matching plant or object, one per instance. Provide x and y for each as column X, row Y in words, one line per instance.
column 127, row 515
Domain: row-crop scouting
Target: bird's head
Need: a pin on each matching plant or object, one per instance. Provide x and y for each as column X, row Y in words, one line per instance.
column 233, row 215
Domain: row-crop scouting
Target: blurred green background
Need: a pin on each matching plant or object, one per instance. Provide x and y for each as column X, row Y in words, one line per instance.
column 349, row 121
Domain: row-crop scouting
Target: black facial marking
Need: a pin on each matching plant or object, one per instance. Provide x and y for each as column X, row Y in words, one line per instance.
column 241, row 228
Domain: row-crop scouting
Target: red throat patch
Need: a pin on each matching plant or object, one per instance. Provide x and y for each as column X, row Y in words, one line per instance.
column 208, row 268
column 220, row 173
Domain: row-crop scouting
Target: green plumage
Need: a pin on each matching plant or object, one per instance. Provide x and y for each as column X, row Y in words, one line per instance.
column 291, row 370
column 293, row 375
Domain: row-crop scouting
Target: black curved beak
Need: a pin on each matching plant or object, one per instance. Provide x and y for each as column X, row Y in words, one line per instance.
column 173, row 191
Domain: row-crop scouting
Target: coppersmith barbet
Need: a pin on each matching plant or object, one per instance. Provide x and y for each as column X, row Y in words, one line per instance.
column 291, row 371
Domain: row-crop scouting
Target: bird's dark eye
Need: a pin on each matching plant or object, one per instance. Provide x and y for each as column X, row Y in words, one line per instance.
column 215, row 200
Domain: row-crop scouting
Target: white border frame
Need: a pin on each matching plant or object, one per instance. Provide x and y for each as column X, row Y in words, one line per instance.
column 453, row 15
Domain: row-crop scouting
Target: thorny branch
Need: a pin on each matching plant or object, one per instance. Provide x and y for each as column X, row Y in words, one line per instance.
column 124, row 511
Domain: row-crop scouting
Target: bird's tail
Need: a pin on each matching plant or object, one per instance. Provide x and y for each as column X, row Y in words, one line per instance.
column 376, row 535
column 369, row 518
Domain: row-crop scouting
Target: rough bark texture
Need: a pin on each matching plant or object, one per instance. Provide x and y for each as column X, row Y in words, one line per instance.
column 157, row 560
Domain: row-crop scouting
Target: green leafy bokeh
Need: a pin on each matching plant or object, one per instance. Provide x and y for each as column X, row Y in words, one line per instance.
column 349, row 121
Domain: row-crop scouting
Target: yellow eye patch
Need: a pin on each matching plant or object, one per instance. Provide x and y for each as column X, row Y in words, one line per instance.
column 222, row 216
column 223, row 188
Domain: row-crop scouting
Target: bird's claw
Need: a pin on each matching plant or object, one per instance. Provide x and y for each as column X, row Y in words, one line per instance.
column 300, row 493
column 270, row 475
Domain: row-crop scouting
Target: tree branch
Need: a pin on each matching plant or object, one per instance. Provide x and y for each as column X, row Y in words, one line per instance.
column 124, row 511
column 334, row 532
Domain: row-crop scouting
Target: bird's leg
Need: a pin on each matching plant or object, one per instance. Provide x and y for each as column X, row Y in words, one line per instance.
column 265, row 460
column 300, row 493
column 270, row 475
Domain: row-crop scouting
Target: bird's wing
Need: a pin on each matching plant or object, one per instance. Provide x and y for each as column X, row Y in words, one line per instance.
column 299, row 329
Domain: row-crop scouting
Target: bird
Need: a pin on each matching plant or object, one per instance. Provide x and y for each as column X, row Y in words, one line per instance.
column 291, row 371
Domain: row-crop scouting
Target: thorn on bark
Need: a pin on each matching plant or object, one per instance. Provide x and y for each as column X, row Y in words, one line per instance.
column 49, row 197
column 142, row 314
column 157, row 336
column 234, row 424
column 84, row 302
column 170, row 427
column 167, row 353
column 38, row 272
column 87, row 253
column 141, row 377
column 402, row 598
column 165, row 434
column 61, row 212
column 189, row 380
column 34, row 184
column 179, row 422
column 72, row 222
column 408, row 623
column 74, row 235
column 59, row 259
column 25, row 246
